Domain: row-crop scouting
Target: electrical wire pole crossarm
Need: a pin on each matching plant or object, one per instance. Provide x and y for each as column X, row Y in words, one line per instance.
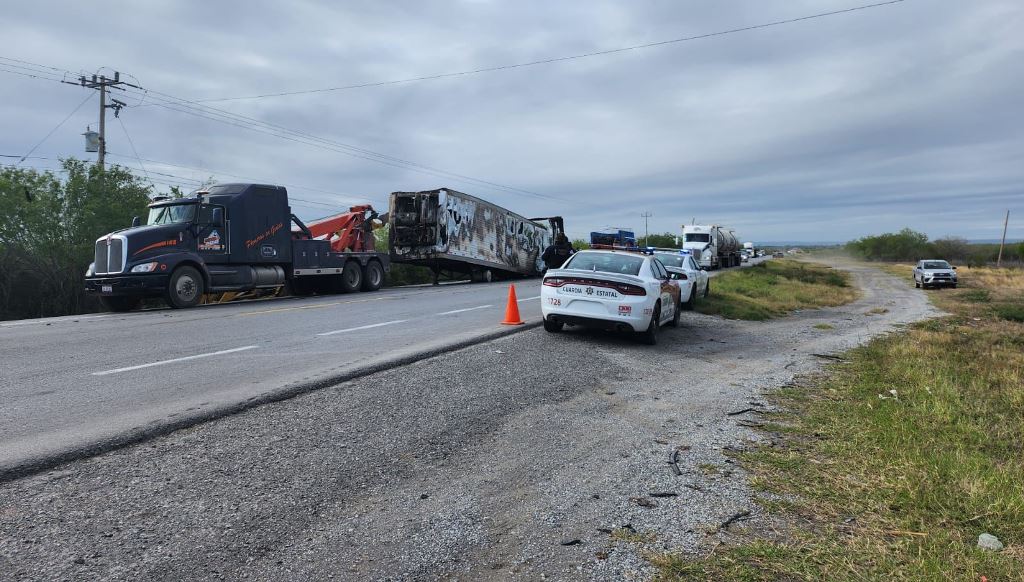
column 102, row 83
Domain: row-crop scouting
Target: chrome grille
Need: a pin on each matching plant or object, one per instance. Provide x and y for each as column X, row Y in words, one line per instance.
column 101, row 256
column 114, row 258
column 110, row 255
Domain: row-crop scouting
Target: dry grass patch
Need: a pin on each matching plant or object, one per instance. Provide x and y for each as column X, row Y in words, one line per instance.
column 776, row 288
column 895, row 462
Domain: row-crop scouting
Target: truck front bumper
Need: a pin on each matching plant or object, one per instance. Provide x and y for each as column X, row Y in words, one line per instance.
column 127, row 285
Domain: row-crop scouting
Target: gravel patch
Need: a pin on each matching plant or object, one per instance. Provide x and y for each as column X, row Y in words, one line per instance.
column 534, row 455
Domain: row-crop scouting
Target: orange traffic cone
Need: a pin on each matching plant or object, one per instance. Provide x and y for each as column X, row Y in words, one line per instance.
column 512, row 309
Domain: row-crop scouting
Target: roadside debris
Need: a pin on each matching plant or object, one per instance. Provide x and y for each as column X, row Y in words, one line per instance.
column 738, row 412
column 644, row 502
column 829, row 357
column 572, row 542
column 988, row 541
column 739, row 515
column 663, row 494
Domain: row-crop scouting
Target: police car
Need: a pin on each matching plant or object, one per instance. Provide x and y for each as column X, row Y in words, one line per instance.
column 693, row 281
column 612, row 290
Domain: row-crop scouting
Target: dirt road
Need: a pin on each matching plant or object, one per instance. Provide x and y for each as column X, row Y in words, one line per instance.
column 507, row 460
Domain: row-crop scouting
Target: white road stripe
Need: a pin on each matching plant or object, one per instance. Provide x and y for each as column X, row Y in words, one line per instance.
column 175, row 360
column 49, row 320
column 528, row 299
column 465, row 310
column 363, row 327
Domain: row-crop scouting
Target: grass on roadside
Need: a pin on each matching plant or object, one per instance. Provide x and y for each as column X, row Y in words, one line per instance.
column 775, row 288
column 893, row 464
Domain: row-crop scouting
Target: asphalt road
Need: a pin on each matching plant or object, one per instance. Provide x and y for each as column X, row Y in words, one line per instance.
column 72, row 382
column 73, row 386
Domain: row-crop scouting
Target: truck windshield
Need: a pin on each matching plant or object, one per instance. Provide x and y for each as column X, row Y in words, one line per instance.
column 606, row 262
column 698, row 237
column 935, row 265
column 172, row 213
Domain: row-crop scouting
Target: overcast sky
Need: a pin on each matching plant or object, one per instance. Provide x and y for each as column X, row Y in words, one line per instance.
column 821, row 130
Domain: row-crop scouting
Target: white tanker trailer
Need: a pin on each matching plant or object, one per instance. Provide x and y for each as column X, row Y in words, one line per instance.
column 711, row 245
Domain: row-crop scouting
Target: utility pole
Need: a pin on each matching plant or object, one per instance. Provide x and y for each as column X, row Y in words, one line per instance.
column 1002, row 243
column 647, row 232
column 101, row 82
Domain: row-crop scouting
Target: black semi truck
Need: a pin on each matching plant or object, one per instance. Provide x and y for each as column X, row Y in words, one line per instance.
column 233, row 238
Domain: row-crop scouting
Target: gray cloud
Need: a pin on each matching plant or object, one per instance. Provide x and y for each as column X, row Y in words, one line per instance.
column 829, row 129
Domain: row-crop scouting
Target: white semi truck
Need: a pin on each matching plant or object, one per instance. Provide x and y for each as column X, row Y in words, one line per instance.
column 713, row 246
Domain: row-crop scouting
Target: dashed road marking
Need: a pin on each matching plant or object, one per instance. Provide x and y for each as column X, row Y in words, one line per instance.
column 337, row 331
column 175, row 360
column 465, row 310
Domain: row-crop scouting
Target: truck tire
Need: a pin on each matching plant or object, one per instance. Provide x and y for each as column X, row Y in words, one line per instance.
column 650, row 337
column 120, row 304
column 373, row 276
column 185, row 289
column 351, row 277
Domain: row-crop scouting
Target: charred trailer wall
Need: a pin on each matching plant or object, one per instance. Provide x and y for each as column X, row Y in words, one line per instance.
column 448, row 229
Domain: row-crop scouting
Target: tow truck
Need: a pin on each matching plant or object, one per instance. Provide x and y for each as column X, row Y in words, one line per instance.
column 233, row 239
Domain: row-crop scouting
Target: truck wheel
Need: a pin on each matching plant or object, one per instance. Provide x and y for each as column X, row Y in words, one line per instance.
column 917, row 285
column 650, row 337
column 120, row 304
column 185, row 289
column 373, row 276
column 351, row 277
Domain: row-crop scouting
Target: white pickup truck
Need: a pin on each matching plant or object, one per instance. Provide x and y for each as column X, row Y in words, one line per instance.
column 934, row 273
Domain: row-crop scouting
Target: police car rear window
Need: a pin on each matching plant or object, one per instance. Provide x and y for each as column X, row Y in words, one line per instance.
column 605, row 262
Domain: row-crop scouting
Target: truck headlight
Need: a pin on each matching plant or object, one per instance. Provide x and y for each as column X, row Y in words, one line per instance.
column 145, row 267
column 91, row 270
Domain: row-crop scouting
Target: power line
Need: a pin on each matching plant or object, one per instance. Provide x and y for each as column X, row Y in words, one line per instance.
column 188, row 107
column 54, row 130
column 553, row 59
column 132, row 143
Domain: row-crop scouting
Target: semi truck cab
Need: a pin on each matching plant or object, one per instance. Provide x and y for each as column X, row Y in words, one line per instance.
column 230, row 237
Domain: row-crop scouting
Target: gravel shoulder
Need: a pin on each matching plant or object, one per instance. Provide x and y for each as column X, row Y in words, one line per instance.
column 504, row 460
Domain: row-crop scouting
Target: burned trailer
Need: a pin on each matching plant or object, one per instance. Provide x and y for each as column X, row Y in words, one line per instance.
column 454, row 233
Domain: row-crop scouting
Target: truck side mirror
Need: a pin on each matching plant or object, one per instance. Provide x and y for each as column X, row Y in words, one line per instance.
column 136, row 221
column 217, row 218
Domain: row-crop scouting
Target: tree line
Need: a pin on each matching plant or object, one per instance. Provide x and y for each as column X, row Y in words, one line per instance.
column 48, row 229
column 910, row 245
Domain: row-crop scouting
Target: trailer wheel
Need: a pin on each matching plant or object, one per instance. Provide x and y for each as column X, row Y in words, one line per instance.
column 120, row 304
column 185, row 289
column 351, row 277
column 373, row 276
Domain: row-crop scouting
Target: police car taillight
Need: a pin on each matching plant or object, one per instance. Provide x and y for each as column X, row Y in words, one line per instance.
column 554, row 281
column 630, row 289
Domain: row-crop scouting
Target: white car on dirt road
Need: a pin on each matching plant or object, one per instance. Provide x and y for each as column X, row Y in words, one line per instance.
column 693, row 281
column 934, row 273
column 612, row 290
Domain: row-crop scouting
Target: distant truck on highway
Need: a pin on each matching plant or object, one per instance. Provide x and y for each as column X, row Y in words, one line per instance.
column 711, row 245
column 234, row 238
column 618, row 238
column 454, row 233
